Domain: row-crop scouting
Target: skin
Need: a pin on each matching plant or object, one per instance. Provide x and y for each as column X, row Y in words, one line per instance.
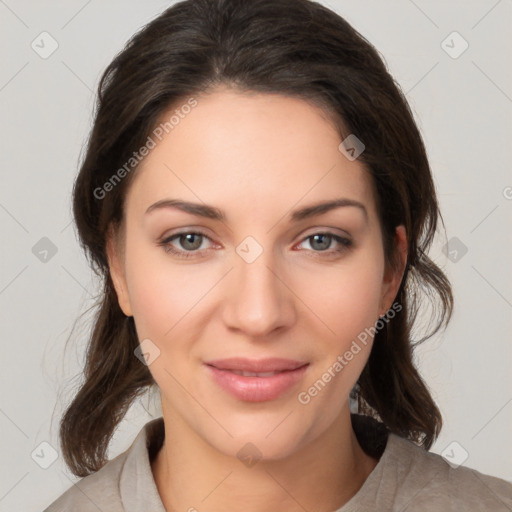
column 258, row 157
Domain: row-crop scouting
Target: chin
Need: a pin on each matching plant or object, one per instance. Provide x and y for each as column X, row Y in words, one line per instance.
column 262, row 438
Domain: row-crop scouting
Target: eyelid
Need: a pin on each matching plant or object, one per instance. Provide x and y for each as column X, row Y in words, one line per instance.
column 326, row 230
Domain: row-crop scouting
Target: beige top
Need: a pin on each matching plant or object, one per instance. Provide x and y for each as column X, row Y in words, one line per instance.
column 407, row 479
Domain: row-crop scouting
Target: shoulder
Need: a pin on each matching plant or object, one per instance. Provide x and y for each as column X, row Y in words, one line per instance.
column 124, row 482
column 409, row 478
column 427, row 481
column 98, row 491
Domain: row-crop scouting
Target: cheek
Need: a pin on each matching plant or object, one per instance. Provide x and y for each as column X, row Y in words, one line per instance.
column 160, row 292
column 348, row 303
column 347, row 297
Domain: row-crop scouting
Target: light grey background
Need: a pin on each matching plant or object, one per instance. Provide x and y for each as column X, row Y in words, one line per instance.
column 463, row 106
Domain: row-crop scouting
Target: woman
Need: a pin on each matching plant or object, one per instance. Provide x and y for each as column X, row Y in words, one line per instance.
column 258, row 199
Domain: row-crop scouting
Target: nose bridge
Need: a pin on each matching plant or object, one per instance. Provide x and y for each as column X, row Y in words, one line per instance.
column 259, row 302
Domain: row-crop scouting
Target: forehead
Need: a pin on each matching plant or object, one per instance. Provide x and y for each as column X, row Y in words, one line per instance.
column 250, row 150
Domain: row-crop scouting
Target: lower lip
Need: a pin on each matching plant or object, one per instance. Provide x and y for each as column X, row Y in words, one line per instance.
column 257, row 389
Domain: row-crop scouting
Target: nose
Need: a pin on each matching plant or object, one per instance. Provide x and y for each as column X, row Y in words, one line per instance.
column 259, row 299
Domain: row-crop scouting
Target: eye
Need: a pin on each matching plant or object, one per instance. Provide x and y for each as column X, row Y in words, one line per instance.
column 191, row 244
column 321, row 242
column 191, row 241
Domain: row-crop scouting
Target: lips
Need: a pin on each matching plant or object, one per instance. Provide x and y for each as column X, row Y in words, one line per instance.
column 256, row 374
column 273, row 364
column 256, row 380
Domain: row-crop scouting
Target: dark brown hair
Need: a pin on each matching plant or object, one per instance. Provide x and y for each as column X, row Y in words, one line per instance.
column 297, row 48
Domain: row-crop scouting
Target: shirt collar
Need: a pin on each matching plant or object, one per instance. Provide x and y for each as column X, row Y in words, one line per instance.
column 138, row 489
column 137, row 485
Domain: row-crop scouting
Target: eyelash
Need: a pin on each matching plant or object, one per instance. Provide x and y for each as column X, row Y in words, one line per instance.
column 166, row 244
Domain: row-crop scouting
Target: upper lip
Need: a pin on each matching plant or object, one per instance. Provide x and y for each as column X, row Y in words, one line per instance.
column 272, row 364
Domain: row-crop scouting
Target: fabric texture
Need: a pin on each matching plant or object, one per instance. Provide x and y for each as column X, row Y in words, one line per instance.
column 406, row 479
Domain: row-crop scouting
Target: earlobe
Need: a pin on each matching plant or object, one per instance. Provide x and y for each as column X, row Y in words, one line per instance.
column 393, row 276
column 117, row 274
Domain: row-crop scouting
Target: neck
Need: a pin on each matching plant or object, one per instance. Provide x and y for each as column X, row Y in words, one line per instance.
column 191, row 475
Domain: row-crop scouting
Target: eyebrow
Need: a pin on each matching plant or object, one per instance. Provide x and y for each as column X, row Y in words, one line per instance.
column 210, row 212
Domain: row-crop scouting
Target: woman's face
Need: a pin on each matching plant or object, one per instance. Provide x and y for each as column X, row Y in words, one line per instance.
column 252, row 281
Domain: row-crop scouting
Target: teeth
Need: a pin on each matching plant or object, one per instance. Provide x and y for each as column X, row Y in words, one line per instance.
column 254, row 374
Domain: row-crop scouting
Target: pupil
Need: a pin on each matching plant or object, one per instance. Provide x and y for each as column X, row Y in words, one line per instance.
column 189, row 241
column 325, row 245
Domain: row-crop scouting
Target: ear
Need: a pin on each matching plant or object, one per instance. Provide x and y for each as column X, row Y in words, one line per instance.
column 117, row 273
column 393, row 276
